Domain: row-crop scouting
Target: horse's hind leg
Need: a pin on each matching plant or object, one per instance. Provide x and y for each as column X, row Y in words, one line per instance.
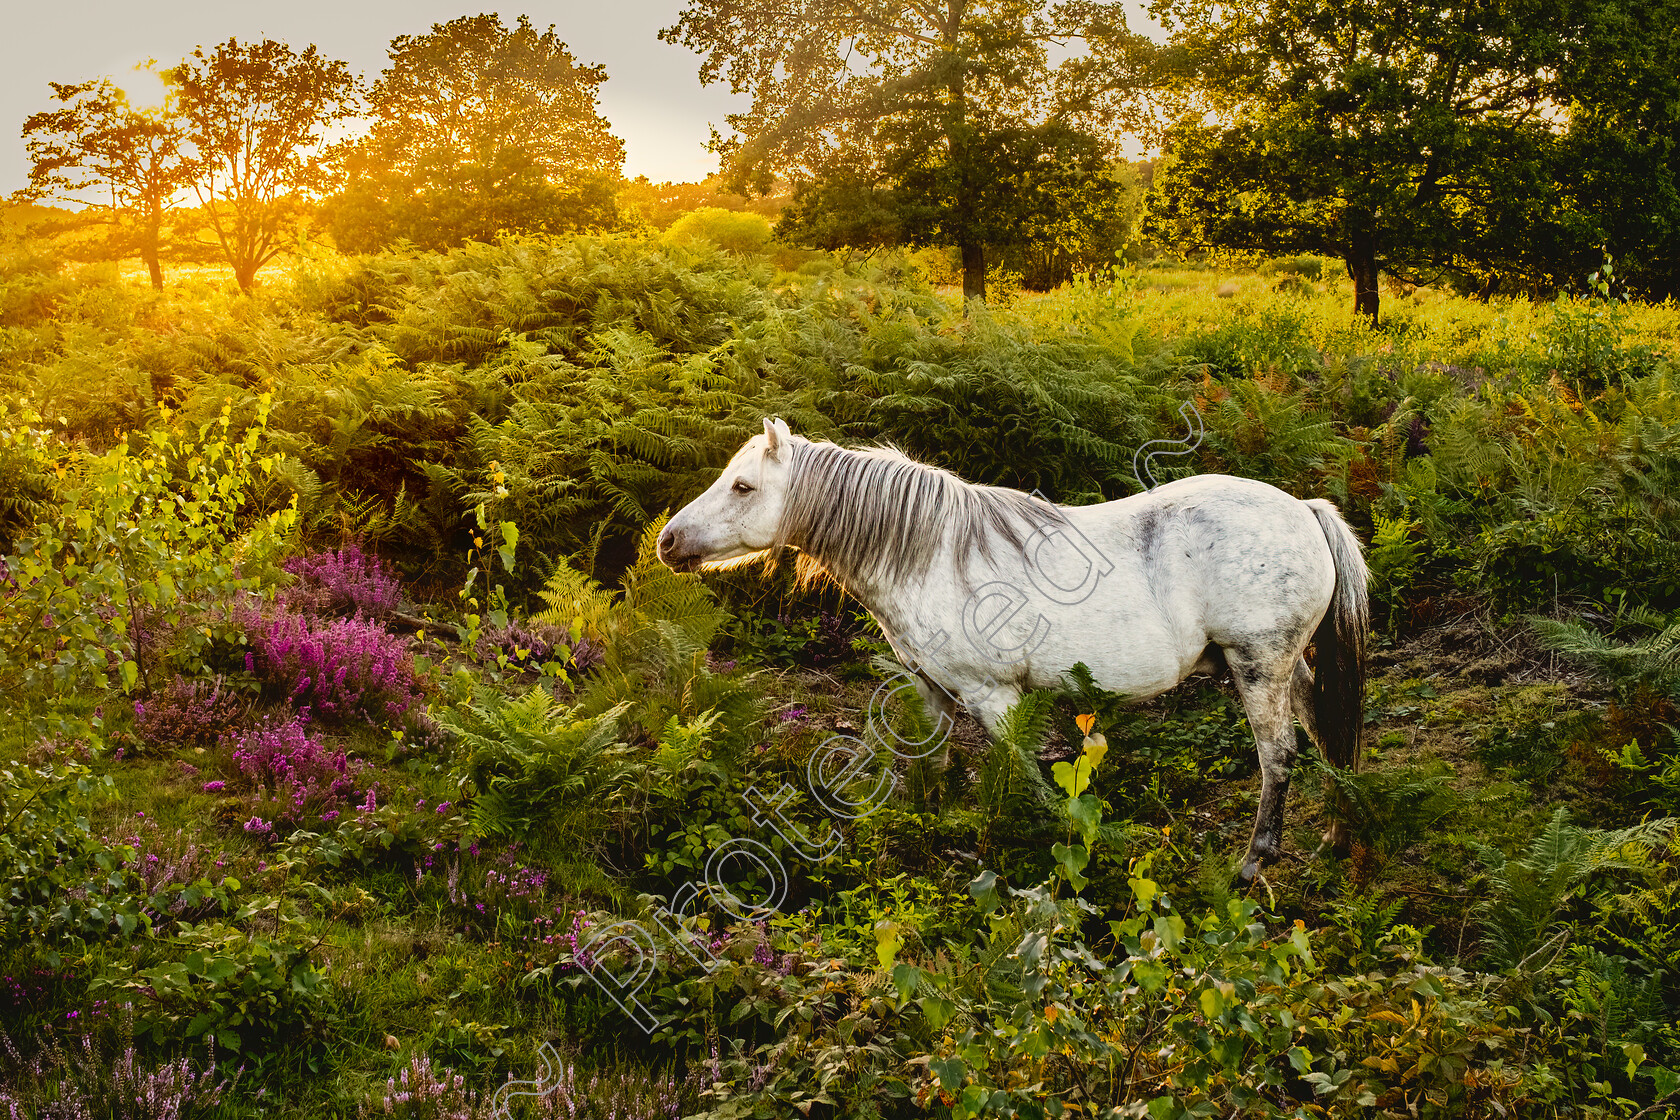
column 1268, row 693
column 1301, row 699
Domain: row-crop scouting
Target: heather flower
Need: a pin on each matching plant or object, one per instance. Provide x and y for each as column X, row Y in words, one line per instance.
column 82, row 1079
column 181, row 863
column 350, row 668
column 214, row 787
column 345, row 581
column 560, row 1090
column 191, row 713
column 291, row 776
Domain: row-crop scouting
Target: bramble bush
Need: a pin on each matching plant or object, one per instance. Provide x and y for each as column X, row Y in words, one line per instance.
column 221, row 983
column 57, row 879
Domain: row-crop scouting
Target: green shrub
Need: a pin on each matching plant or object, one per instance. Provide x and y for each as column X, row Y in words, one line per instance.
column 531, row 764
column 146, row 551
column 733, row 231
column 1530, row 892
column 248, row 993
column 58, row 882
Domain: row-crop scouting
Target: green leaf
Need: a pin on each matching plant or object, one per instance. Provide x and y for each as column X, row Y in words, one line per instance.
column 1086, row 814
column 887, row 942
column 938, row 1010
column 510, row 542
column 950, row 1072
column 130, row 675
column 905, row 977
column 1170, row 929
column 1072, row 862
column 1145, row 890
column 1150, row 975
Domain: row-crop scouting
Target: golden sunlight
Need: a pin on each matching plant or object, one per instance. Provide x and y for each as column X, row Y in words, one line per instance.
column 143, row 86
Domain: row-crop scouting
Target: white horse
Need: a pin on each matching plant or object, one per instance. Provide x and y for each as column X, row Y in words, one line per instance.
column 985, row 593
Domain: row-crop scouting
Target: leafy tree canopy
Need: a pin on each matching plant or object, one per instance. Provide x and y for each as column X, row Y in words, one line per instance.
column 256, row 115
column 1404, row 137
column 98, row 140
column 901, row 121
column 478, row 129
column 1621, row 162
column 471, row 88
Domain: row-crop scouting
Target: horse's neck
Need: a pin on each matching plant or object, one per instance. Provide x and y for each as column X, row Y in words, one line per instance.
column 909, row 607
column 914, row 615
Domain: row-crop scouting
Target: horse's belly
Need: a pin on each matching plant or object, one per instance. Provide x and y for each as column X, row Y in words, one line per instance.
column 1124, row 655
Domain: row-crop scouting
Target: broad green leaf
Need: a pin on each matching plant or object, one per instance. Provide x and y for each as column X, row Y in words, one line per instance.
column 1170, row 929
column 938, row 1010
column 905, row 977
column 950, row 1072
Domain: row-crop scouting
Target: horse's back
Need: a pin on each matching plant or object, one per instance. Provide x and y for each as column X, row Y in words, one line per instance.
column 1220, row 556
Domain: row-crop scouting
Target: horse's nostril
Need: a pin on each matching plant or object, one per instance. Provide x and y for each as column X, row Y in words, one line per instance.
column 667, row 541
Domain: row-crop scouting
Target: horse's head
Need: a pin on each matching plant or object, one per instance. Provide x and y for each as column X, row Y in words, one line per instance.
column 738, row 515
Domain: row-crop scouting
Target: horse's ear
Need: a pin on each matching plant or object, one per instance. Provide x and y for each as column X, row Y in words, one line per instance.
column 773, row 437
column 782, row 427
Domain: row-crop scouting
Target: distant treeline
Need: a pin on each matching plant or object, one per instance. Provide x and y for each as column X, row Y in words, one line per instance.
column 1519, row 147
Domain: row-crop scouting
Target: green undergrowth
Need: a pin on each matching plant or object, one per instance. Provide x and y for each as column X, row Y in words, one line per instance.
column 567, row 731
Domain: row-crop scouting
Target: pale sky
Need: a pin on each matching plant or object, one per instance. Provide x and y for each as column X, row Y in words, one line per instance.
column 652, row 98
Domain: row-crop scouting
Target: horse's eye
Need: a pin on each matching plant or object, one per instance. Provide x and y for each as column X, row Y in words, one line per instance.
column 741, row 487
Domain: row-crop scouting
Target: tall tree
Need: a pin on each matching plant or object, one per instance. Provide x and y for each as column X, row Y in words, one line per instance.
column 927, row 121
column 1399, row 137
column 479, row 128
column 99, row 141
column 1621, row 165
column 256, row 115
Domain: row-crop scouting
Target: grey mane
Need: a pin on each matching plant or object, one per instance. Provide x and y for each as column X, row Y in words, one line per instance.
column 875, row 515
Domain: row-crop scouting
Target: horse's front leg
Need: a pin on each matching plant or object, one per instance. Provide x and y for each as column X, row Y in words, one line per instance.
column 989, row 703
column 941, row 709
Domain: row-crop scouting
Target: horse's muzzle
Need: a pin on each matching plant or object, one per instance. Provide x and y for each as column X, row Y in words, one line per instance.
column 671, row 553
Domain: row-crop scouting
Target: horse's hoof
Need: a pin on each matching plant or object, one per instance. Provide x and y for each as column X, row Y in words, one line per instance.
column 1250, row 871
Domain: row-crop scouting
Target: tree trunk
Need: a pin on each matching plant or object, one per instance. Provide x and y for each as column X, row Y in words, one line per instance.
column 1362, row 270
column 974, row 271
column 957, row 150
column 149, row 249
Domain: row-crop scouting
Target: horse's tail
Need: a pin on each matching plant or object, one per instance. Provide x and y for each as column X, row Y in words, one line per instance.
column 1339, row 665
